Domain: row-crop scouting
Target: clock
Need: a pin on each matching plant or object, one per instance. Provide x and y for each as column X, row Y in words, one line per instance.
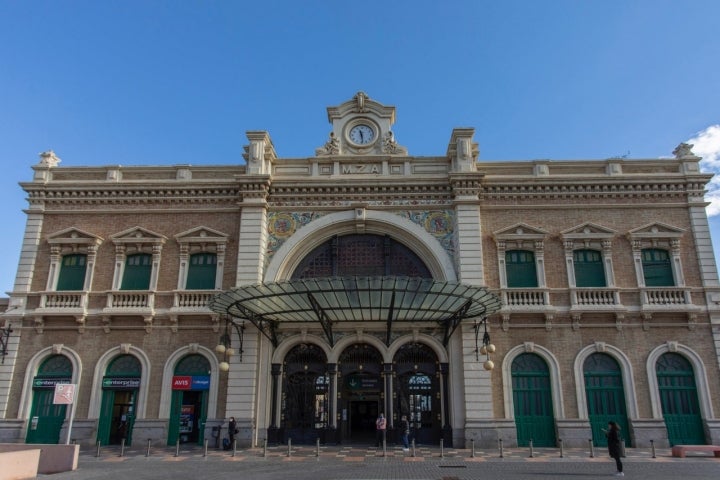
column 362, row 134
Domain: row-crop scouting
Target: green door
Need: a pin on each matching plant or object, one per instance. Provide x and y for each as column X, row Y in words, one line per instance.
column 117, row 412
column 532, row 399
column 605, row 396
column 679, row 400
column 189, row 403
column 46, row 419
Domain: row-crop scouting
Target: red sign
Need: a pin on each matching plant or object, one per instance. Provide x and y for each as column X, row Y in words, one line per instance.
column 183, row 382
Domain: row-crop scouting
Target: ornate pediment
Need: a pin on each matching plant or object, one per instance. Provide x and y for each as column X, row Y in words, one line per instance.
column 520, row 231
column 75, row 236
column 201, row 235
column 361, row 126
column 588, row 231
column 656, row 230
column 138, row 235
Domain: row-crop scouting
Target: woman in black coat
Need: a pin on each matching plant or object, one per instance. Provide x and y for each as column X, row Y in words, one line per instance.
column 232, row 430
column 613, row 439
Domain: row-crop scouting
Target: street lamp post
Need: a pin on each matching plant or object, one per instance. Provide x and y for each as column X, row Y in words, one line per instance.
column 224, row 346
column 487, row 347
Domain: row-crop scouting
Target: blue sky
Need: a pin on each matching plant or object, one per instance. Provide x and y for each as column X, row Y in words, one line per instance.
column 180, row 82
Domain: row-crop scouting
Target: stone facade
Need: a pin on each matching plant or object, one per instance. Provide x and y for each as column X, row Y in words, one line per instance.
column 463, row 217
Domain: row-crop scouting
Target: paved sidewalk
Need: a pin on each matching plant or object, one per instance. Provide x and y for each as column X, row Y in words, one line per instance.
column 355, row 463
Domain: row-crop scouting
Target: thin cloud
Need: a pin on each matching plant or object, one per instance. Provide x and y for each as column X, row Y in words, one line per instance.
column 707, row 145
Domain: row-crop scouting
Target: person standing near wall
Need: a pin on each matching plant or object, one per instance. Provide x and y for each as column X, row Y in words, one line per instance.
column 405, row 432
column 380, row 427
column 614, row 448
column 232, row 430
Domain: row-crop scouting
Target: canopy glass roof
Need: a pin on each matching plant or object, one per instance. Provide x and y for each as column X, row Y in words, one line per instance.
column 333, row 300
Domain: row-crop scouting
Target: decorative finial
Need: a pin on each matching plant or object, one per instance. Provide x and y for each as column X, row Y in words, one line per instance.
column 360, row 98
column 49, row 159
column 683, row 150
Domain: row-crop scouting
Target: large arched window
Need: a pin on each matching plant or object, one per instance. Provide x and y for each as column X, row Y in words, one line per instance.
column 367, row 255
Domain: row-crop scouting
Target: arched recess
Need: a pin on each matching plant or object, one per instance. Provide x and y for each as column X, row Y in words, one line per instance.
column 700, row 378
column 169, row 371
column 555, row 383
column 32, row 368
column 289, row 343
column 348, row 340
column 431, row 342
column 294, row 250
column 627, row 377
column 100, row 369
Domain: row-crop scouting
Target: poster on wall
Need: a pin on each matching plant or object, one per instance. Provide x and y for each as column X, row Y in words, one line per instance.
column 187, row 417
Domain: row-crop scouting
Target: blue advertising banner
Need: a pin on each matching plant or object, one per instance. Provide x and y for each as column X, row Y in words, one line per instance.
column 200, row 382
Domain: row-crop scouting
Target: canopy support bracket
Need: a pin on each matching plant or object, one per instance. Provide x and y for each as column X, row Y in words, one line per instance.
column 267, row 327
column 325, row 322
column 451, row 323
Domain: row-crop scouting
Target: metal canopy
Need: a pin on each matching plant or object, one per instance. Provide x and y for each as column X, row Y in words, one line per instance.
column 332, row 300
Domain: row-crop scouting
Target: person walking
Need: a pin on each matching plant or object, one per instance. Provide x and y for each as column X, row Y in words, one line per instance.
column 380, row 426
column 232, row 430
column 405, row 432
column 614, row 448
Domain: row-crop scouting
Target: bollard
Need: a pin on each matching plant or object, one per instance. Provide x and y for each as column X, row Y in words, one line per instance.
column 442, row 449
column 652, row 447
column 289, row 447
column 532, row 453
column 592, row 450
column 500, row 445
column 265, row 448
column 561, row 447
column 317, row 447
column 384, row 447
column 413, row 446
column 205, row 447
column 147, row 453
column 234, row 450
column 472, row 447
column 97, row 452
column 122, row 447
column 177, row 447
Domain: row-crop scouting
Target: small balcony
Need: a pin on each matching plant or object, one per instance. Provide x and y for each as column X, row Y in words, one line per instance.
column 525, row 298
column 127, row 300
column 595, row 299
column 193, row 300
column 659, row 298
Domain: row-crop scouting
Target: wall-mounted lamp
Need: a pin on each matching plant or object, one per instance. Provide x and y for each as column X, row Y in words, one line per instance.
column 487, row 348
column 224, row 346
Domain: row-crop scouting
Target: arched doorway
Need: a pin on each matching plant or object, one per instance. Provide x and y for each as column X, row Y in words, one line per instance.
column 188, row 408
column 305, row 401
column 360, row 384
column 46, row 418
column 417, row 388
column 117, row 411
column 605, row 396
column 532, row 400
column 679, row 400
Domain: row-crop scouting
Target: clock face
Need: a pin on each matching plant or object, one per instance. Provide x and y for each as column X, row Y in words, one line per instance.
column 362, row 134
